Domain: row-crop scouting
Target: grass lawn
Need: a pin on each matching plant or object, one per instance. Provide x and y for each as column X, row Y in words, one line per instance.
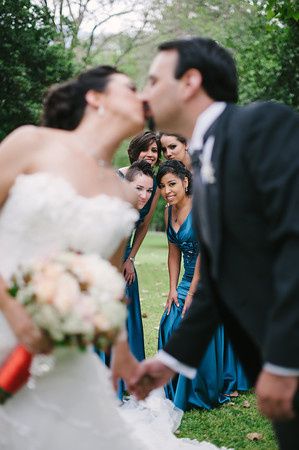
column 227, row 425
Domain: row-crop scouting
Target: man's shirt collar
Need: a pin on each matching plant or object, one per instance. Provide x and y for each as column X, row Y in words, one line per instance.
column 203, row 123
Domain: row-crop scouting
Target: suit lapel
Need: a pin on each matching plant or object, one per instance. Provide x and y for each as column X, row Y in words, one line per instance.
column 214, row 190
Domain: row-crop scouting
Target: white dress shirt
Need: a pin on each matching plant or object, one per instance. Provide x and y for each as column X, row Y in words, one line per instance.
column 203, row 123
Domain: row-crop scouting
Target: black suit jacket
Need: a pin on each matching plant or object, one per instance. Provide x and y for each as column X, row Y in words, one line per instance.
column 250, row 270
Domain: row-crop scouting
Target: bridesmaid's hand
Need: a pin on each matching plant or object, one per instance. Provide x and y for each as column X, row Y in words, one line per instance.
column 22, row 325
column 123, row 364
column 188, row 301
column 128, row 271
column 172, row 298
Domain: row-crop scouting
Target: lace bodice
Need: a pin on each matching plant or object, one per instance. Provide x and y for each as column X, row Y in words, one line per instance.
column 43, row 214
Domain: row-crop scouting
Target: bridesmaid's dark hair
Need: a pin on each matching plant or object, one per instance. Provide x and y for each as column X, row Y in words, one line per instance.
column 64, row 104
column 178, row 169
column 179, row 137
column 139, row 168
column 140, row 143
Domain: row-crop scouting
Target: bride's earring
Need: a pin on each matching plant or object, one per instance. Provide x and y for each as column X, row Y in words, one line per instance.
column 101, row 110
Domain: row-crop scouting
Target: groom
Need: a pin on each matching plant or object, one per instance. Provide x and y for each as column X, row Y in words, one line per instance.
column 246, row 213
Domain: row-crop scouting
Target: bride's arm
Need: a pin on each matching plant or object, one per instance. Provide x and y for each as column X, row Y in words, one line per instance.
column 16, row 153
column 21, row 324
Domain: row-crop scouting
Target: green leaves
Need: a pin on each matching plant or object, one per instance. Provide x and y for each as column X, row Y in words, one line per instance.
column 31, row 59
column 284, row 10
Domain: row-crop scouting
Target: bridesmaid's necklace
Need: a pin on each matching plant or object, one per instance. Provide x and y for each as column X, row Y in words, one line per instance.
column 175, row 219
column 176, row 214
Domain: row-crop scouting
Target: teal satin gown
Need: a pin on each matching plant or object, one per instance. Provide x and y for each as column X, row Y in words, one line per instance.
column 219, row 372
column 134, row 319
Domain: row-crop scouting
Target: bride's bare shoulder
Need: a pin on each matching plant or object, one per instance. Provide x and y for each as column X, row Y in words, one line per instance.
column 26, row 136
column 17, row 154
column 25, row 144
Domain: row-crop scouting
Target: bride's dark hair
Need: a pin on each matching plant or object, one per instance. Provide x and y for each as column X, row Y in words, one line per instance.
column 64, row 104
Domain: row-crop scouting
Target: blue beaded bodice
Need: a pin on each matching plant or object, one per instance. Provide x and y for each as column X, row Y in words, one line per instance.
column 186, row 241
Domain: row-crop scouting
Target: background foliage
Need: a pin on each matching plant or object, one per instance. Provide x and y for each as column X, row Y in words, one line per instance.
column 46, row 41
column 31, row 58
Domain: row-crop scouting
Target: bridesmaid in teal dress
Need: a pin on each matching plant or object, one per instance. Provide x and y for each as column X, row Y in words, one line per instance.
column 138, row 174
column 143, row 148
column 217, row 375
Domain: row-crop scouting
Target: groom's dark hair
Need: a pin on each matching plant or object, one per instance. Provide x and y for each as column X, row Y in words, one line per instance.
column 215, row 63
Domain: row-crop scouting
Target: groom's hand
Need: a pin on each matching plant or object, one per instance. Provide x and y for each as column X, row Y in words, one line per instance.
column 149, row 375
column 275, row 395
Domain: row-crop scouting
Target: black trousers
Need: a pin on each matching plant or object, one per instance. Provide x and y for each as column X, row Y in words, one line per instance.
column 287, row 434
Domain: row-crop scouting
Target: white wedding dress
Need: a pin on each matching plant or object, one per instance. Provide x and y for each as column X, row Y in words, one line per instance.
column 73, row 406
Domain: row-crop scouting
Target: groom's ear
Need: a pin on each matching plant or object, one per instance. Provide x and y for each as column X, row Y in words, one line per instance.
column 192, row 83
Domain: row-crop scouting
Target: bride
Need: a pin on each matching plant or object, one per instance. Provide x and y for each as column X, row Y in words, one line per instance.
column 58, row 191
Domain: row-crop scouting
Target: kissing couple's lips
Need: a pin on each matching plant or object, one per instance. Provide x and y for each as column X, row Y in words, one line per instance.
column 147, row 110
column 148, row 116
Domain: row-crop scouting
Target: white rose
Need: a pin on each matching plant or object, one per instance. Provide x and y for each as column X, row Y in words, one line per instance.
column 86, row 307
column 43, row 288
column 47, row 319
column 67, row 294
column 101, row 322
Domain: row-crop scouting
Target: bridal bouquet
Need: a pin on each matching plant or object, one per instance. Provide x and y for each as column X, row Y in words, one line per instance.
column 74, row 298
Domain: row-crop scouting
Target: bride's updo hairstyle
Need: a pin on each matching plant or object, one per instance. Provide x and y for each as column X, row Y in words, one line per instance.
column 65, row 103
column 178, row 169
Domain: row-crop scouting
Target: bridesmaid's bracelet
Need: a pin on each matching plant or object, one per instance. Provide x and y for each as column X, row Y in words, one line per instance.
column 190, row 293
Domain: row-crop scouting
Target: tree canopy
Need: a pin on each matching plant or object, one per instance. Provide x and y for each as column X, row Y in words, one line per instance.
column 31, row 59
column 48, row 41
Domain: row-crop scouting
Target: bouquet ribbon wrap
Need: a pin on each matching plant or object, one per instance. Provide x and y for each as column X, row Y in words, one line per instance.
column 15, row 372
